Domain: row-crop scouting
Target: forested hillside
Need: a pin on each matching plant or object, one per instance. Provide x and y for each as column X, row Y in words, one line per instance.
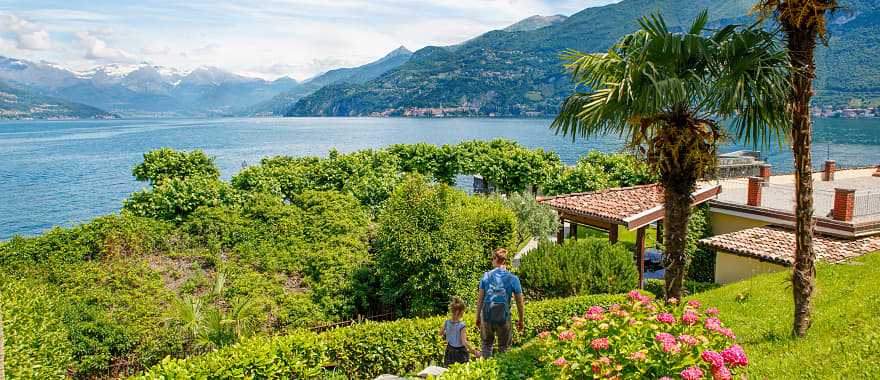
column 520, row 74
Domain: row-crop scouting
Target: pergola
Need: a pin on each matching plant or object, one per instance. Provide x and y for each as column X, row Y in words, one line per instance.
column 634, row 208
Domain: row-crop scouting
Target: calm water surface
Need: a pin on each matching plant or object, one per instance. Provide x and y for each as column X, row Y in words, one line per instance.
column 63, row 172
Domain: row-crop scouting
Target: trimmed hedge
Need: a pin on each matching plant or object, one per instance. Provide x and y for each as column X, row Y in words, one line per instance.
column 587, row 266
column 360, row 351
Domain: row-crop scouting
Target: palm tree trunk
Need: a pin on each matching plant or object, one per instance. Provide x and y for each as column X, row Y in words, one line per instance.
column 801, row 44
column 677, row 202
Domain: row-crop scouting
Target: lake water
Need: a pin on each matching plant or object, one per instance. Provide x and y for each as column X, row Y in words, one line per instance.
column 63, row 172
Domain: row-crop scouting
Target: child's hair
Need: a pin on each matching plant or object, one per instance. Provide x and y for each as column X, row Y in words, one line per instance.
column 457, row 306
column 500, row 255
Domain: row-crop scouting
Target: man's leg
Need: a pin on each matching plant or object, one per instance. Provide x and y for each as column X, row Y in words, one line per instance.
column 487, row 339
column 504, row 336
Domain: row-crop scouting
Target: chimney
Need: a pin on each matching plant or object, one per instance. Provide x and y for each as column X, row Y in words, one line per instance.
column 754, row 194
column 765, row 173
column 828, row 172
column 844, row 202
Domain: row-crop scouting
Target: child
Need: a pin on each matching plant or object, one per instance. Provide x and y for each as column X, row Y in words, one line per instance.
column 455, row 332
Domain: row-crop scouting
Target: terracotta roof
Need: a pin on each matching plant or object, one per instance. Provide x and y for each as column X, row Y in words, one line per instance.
column 777, row 244
column 629, row 206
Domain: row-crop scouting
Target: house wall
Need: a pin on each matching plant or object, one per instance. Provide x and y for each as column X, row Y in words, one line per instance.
column 725, row 224
column 732, row 268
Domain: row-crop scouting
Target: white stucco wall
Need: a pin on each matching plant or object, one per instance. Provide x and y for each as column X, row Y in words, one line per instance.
column 732, row 268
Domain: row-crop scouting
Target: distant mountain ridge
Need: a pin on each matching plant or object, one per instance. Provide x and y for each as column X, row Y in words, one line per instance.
column 144, row 89
column 19, row 102
column 535, row 22
column 517, row 72
column 280, row 103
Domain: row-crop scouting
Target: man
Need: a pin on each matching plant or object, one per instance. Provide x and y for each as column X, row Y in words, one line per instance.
column 497, row 287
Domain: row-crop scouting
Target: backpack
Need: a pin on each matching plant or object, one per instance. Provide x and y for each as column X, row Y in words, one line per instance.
column 497, row 301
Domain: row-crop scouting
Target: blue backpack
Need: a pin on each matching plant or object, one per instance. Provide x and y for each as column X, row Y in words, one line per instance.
column 497, row 300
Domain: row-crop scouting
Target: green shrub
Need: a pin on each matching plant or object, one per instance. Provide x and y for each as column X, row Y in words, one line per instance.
column 360, row 351
column 587, row 266
column 167, row 163
column 433, row 243
column 655, row 287
column 597, row 171
column 174, row 199
column 702, row 266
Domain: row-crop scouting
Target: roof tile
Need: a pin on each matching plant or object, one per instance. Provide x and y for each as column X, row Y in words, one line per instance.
column 777, row 244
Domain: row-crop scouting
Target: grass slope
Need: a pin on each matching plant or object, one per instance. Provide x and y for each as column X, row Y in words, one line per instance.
column 844, row 341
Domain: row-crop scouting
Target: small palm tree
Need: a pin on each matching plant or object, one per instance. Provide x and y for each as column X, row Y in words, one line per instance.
column 803, row 22
column 663, row 91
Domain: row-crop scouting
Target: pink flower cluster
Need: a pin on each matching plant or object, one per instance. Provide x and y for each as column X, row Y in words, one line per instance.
column 559, row 362
column 714, row 324
column 692, row 373
column 712, row 311
column 544, row 334
column 688, row 340
column 694, row 304
column 666, row 318
column 599, row 344
column 566, row 335
column 669, row 345
column 637, row 296
column 637, row 356
column 689, row 317
column 734, row 356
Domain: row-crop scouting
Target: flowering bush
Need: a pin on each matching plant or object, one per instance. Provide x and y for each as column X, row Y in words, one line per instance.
column 643, row 339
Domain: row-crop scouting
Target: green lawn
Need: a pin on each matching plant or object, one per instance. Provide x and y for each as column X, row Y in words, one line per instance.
column 624, row 235
column 844, row 341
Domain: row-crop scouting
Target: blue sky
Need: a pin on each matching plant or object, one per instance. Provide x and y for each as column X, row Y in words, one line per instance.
column 269, row 38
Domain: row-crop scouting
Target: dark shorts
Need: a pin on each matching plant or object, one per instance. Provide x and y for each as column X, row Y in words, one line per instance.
column 456, row 355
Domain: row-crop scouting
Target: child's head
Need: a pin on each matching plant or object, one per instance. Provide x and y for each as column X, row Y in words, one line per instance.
column 457, row 307
column 499, row 257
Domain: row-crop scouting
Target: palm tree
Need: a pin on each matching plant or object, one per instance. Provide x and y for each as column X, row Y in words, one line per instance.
column 2, row 350
column 662, row 90
column 803, row 22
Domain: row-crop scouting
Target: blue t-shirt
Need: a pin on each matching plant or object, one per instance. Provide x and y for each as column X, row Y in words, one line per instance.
column 511, row 285
column 453, row 333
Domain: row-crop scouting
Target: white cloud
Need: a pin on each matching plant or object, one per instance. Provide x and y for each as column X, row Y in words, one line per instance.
column 27, row 36
column 98, row 50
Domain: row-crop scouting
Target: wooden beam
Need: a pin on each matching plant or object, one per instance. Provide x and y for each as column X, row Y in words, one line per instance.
column 587, row 221
column 560, row 233
column 640, row 255
column 612, row 234
column 573, row 231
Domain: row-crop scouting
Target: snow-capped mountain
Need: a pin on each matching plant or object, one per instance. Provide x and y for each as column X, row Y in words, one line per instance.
column 146, row 89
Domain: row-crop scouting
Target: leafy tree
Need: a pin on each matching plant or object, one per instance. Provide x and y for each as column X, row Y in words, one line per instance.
column 433, row 242
column 506, row 164
column 174, row 199
column 534, row 220
column 166, row 163
column 803, row 22
column 439, row 162
column 661, row 90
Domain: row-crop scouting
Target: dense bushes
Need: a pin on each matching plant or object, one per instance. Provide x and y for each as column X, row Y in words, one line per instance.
column 597, row 171
column 702, row 266
column 434, row 242
column 166, row 163
column 587, row 266
column 360, row 351
column 534, row 220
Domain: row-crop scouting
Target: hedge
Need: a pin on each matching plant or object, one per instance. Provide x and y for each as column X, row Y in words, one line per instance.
column 363, row 350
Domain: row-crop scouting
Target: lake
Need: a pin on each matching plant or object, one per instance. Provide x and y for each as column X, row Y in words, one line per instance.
column 64, row 172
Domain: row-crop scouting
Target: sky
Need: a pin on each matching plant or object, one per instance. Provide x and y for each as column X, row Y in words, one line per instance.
column 265, row 38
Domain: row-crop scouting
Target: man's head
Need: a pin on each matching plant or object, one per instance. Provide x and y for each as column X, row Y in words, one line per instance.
column 499, row 257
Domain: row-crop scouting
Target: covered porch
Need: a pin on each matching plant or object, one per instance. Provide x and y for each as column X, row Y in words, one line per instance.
column 632, row 208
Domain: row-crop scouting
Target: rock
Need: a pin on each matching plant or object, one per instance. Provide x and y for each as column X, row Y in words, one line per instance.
column 432, row 371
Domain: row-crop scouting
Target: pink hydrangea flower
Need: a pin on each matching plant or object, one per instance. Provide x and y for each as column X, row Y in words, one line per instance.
column 672, row 300
column 559, row 362
column 614, row 307
column 544, row 334
column 735, row 356
column 596, row 317
column 666, row 318
column 605, row 360
column 689, row 340
column 721, row 373
column 649, row 306
column 692, row 373
column 664, row 337
column 694, row 304
column 726, row 332
column 566, row 335
column 712, row 311
column 599, row 344
column 689, row 317
column 637, row 356
column 671, row 348
column 635, row 295
column 595, row 310
column 713, row 358
column 712, row 324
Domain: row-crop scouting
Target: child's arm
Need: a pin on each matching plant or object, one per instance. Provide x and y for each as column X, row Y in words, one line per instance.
column 467, row 344
column 443, row 330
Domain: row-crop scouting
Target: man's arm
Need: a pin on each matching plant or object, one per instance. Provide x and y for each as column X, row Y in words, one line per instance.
column 480, row 306
column 521, row 308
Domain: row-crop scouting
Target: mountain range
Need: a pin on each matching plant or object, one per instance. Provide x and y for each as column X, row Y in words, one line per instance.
column 517, row 71
column 514, row 71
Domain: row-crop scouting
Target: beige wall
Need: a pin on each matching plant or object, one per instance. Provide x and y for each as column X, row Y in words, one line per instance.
column 732, row 268
column 725, row 224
